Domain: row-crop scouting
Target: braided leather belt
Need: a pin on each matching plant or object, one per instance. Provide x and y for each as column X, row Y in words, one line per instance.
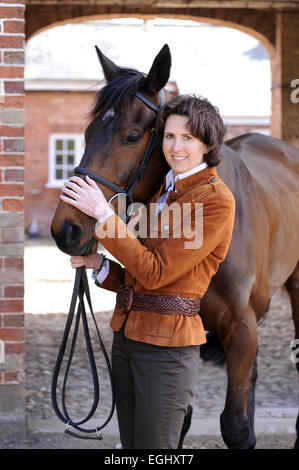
column 127, row 300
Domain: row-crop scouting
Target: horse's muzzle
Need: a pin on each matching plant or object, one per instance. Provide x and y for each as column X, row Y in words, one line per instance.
column 69, row 240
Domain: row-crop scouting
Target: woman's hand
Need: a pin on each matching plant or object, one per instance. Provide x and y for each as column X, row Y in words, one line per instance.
column 93, row 261
column 85, row 196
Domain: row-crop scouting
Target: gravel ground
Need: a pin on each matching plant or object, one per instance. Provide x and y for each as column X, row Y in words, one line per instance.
column 276, row 390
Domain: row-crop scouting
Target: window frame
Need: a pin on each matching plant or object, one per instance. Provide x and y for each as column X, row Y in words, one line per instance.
column 78, row 138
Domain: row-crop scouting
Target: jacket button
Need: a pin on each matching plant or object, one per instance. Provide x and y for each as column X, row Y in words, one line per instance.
column 213, row 180
column 165, row 227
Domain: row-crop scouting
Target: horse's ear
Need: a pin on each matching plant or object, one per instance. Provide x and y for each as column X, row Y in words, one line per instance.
column 109, row 68
column 159, row 72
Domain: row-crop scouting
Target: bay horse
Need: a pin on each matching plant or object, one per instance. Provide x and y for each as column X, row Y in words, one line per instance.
column 263, row 174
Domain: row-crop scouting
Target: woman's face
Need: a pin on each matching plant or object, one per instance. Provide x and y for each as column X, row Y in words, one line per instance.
column 181, row 150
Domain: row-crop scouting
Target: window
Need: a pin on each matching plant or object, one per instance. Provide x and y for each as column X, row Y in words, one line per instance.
column 65, row 153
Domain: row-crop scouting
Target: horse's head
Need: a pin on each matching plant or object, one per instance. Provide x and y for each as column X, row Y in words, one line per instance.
column 116, row 141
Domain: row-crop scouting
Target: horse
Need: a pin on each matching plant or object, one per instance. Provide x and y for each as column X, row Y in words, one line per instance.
column 262, row 173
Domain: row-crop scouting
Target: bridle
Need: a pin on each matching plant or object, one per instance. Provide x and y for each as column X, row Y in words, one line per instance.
column 138, row 176
column 80, row 290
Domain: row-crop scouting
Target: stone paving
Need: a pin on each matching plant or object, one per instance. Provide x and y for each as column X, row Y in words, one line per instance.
column 48, row 287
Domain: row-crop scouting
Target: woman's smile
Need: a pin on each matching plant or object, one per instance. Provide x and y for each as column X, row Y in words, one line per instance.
column 176, row 158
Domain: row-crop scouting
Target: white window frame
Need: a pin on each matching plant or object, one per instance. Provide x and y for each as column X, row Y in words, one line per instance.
column 53, row 182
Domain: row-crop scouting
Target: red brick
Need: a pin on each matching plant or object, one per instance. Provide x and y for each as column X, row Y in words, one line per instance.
column 11, row 12
column 14, row 348
column 0, row 176
column 13, row 145
column 19, row 2
column 13, row 320
column 7, row 71
column 15, row 87
column 13, row 204
column 10, row 377
column 15, row 263
column 11, row 42
column 11, row 26
column 11, row 306
column 8, row 131
column 16, row 175
column 14, row 101
column 12, row 291
column 14, row 57
column 11, row 190
column 11, row 334
column 11, row 159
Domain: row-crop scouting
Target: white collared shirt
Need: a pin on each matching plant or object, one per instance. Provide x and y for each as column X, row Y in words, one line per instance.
column 171, row 178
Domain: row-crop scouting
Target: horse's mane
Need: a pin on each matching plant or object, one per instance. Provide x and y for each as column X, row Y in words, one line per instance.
column 118, row 92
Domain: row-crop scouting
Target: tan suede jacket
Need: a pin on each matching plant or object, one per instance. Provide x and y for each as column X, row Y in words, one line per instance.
column 162, row 263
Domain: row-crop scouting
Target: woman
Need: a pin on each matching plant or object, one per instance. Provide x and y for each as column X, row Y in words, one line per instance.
column 157, row 328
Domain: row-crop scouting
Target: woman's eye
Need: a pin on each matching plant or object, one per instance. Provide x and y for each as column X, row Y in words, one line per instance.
column 132, row 139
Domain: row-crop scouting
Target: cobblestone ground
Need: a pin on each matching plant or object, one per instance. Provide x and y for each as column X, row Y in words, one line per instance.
column 46, row 269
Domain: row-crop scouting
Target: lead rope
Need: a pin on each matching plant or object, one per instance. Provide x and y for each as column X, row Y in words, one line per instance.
column 81, row 288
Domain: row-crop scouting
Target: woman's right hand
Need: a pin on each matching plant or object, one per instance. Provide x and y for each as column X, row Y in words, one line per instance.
column 93, row 261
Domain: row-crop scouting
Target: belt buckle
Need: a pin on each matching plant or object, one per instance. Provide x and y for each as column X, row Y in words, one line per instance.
column 124, row 299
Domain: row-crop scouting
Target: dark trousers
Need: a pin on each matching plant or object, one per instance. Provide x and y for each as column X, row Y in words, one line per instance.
column 153, row 387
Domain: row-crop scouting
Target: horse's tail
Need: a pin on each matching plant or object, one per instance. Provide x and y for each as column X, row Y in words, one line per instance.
column 213, row 350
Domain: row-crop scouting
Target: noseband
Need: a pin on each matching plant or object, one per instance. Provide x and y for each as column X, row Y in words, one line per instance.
column 129, row 189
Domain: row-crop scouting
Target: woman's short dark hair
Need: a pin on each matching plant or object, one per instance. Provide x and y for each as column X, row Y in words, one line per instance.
column 204, row 122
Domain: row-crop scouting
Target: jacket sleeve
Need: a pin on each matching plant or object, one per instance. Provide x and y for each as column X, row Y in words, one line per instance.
column 115, row 277
column 170, row 259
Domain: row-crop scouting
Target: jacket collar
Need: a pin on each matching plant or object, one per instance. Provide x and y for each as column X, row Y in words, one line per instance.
column 203, row 176
column 171, row 178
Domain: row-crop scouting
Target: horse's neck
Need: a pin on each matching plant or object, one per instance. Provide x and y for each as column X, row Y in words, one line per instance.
column 232, row 169
column 153, row 178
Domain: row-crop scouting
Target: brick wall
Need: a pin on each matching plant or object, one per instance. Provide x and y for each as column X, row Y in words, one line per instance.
column 11, row 206
column 48, row 112
column 233, row 131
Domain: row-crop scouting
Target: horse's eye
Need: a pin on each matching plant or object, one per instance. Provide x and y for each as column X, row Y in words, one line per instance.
column 132, row 139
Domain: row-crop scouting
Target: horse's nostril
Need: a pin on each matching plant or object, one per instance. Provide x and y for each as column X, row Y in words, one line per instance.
column 72, row 233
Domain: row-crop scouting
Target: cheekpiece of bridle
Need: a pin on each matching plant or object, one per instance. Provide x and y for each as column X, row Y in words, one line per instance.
column 138, row 176
column 80, row 290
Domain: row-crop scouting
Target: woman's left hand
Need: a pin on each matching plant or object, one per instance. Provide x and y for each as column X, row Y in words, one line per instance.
column 85, row 196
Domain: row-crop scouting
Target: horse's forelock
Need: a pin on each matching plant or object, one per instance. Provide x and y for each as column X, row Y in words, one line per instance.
column 118, row 92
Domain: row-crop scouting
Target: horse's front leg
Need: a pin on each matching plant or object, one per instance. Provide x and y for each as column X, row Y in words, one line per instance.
column 240, row 348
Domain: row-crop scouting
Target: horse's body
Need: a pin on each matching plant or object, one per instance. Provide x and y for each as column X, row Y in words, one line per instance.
column 263, row 174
